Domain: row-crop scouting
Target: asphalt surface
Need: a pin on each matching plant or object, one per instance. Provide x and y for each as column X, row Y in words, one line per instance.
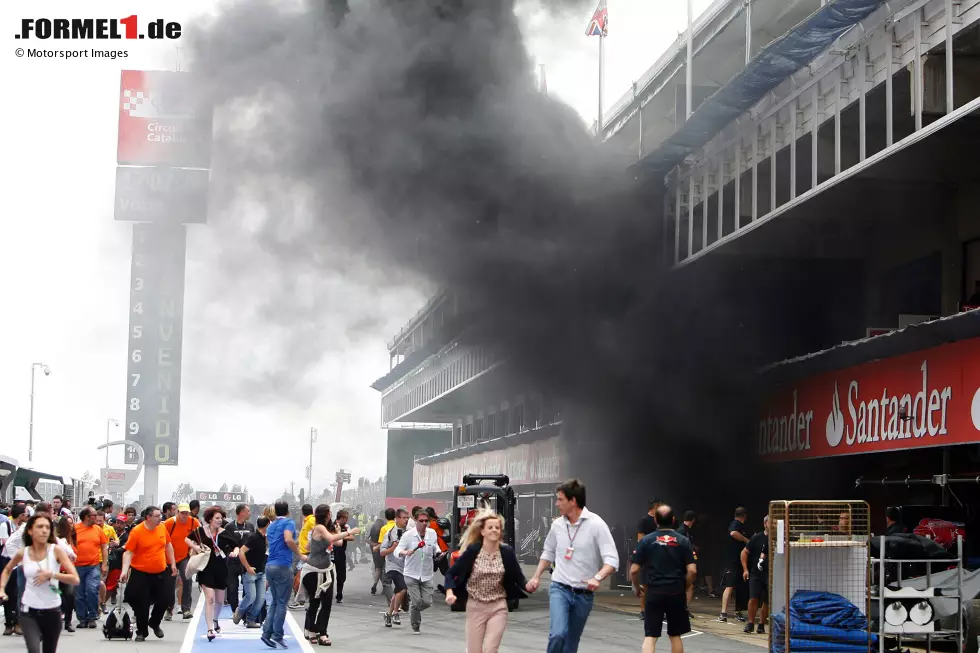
column 357, row 626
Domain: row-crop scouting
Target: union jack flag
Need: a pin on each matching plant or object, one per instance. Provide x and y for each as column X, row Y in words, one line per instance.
column 599, row 25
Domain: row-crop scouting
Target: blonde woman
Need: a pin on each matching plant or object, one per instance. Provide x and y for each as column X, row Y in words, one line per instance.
column 486, row 575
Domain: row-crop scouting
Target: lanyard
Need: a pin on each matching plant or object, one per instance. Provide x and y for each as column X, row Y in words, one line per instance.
column 568, row 531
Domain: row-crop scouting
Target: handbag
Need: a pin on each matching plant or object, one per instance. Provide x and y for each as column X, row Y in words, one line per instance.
column 198, row 561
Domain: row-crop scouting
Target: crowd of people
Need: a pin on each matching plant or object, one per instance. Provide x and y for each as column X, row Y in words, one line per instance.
column 85, row 560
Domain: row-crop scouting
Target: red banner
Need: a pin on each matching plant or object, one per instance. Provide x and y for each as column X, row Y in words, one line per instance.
column 927, row 398
column 163, row 120
column 537, row 462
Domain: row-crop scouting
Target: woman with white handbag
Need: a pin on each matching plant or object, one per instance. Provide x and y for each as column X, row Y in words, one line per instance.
column 211, row 539
column 318, row 575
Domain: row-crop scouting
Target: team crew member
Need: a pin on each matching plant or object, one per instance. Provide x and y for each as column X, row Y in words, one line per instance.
column 732, row 576
column 755, row 570
column 179, row 528
column 148, row 554
column 667, row 558
column 44, row 565
column 281, row 536
column 646, row 526
column 240, row 530
column 252, row 557
column 580, row 546
column 893, row 519
column 486, row 575
column 687, row 530
column 374, row 541
column 92, row 560
column 18, row 517
column 420, row 549
column 340, row 552
column 394, row 568
column 213, row 579
column 299, row 597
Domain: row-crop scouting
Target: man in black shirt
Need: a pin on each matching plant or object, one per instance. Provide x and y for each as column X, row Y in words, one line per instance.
column 755, row 570
column 646, row 526
column 340, row 554
column 893, row 521
column 667, row 559
column 731, row 576
column 252, row 557
column 686, row 529
column 240, row 529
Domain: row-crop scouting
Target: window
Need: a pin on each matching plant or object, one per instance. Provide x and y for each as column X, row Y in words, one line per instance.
column 517, row 418
column 478, row 430
column 457, row 436
column 467, row 435
column 491, row 419
column 533, row 416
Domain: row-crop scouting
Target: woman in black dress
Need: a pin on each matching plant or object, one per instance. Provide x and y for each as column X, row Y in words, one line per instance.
column 214, row 577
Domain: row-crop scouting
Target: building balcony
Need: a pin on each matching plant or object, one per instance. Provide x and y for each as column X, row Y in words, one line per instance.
column 857, row 109
column 440, row 387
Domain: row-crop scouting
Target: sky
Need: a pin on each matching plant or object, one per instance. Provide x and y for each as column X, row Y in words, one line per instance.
column 65, row 265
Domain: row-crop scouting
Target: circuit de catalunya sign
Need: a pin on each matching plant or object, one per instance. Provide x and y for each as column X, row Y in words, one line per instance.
column 927, row 398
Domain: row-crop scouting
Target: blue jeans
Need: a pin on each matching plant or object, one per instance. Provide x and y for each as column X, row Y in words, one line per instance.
column 569, row 612
column 280, row 579
column 254, row 599
column 87, row 593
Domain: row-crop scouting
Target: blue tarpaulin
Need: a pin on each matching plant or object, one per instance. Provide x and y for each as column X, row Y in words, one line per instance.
column 822, row 622
column 777, row 61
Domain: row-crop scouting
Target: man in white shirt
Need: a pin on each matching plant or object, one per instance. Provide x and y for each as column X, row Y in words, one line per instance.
column 419, row 548
column 584, row 554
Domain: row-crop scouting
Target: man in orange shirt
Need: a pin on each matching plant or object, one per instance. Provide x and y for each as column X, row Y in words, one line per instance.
column 92, row 559
column 148, row 554
column 179, row 528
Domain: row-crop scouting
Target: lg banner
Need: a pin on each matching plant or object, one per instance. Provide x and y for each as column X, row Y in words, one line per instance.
column 924, row 399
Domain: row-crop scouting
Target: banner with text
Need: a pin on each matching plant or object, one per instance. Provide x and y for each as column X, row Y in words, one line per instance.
column 926, row 398
column 224, row 497
column 525, row 464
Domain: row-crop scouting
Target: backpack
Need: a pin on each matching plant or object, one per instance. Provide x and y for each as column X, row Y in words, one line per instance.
column 118, row 624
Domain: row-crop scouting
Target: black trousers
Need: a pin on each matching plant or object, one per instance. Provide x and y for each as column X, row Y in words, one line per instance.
column 10, row 605
column 67, row 601
column 143, row 590
column 234, row 582
column 341, row 567
column 317, row 609
column 41, row 629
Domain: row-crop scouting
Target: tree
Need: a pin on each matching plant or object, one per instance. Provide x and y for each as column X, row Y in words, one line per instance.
column 183, row 493
column 223, row 488
column 236, row 488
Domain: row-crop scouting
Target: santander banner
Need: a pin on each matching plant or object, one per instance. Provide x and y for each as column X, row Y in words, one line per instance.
column 928, row 398
column 537, row 462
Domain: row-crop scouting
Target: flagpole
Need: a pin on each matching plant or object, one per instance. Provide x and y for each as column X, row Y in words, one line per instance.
column 690, row 56
column 599, row 118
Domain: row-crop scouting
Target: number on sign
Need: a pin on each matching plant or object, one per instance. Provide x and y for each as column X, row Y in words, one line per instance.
column 137, row 355
column 138, row 308
column 134, row 428
column 134, row 403
column 138, row 283
column 162, row 453
column 137, row 331
column 136, row 379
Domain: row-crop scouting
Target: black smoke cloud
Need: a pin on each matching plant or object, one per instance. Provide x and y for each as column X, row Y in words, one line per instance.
column 405, row 143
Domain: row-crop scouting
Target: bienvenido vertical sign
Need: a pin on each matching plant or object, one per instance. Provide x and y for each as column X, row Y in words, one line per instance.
column 155, row 333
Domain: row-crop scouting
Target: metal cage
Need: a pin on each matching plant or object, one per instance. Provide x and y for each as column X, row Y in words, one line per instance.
column 818, row 546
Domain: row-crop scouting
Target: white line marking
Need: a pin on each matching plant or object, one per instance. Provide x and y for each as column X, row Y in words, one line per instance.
column 693, row 633
column 189, row 638
column 304, row 644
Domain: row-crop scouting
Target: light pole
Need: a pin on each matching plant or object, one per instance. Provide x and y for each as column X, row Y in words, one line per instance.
column 109, row 422
column 309, row 470
column 30, row 440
